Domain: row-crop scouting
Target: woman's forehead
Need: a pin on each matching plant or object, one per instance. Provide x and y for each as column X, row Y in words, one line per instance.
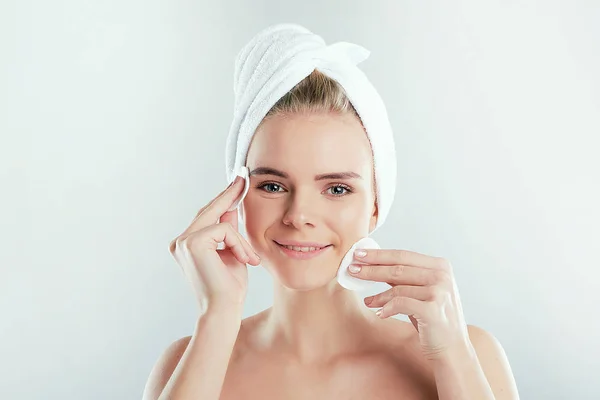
column 321, row 141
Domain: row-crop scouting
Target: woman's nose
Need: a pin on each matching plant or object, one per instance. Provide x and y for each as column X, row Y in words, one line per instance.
column 297, row 220
column 299, row 212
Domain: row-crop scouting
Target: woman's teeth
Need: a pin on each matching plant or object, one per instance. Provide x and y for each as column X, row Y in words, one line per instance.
column 302, row 249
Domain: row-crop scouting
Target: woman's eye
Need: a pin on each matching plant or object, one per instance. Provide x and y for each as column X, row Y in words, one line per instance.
column 270, row 184
column 338, row 190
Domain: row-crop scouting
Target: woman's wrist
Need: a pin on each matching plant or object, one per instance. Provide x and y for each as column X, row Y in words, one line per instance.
column 230, row 314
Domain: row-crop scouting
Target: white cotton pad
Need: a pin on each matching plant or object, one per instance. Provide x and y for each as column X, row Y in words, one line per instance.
column 243, row 172
column 343, row 276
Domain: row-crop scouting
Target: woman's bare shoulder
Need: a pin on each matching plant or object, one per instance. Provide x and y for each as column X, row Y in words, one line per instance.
column 175, row 350
column 164, row 367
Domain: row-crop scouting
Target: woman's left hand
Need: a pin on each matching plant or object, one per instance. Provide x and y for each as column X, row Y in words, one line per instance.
column 423, row 287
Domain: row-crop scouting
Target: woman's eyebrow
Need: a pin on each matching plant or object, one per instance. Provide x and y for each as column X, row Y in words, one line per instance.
column 331, row 175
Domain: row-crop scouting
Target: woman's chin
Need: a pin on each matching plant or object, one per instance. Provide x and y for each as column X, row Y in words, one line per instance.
column 302, row 280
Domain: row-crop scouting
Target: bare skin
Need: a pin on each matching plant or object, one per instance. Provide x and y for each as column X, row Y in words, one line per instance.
column 386, row 364
column 318, row 340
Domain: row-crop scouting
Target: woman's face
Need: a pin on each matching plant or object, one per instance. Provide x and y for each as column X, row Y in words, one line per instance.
column 335, row 211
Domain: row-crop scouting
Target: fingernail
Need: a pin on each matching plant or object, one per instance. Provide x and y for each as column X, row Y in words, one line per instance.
column 378, row 312
column 354, row 268
column 360, row 253
column 368, row 300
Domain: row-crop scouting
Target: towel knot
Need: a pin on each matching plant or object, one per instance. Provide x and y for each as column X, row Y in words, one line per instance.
column 340, row 52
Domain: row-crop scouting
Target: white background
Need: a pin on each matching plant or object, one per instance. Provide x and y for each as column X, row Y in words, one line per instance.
column 114, row 114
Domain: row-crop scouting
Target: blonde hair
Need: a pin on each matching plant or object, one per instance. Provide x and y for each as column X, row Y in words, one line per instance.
column 317, row 93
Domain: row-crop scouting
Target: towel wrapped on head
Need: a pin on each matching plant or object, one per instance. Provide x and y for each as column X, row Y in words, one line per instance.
column 271, row 64
column 277, row 59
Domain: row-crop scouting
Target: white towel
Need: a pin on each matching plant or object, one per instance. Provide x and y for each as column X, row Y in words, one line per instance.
column 278, row 58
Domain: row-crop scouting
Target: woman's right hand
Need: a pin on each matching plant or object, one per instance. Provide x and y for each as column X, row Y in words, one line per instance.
column 219, row 277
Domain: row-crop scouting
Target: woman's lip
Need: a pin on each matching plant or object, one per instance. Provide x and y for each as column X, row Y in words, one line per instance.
column 299, row 244
column 302, row 255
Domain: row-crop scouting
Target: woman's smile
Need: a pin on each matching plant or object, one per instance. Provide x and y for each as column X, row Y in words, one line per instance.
column 300, row 252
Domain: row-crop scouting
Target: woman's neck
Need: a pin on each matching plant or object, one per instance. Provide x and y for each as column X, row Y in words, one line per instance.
column 319, row 325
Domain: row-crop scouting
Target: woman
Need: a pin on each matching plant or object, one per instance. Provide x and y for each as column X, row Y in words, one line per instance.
column 318, row 340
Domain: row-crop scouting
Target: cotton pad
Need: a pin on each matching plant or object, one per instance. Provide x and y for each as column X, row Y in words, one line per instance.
column 243, row 172
column 344, row 278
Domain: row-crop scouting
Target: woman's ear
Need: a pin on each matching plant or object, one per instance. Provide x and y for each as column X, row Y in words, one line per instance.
column 373, row 221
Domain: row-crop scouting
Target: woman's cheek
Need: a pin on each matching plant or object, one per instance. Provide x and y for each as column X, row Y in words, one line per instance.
column 353, row 217
column 257, row 219
column 257, row 209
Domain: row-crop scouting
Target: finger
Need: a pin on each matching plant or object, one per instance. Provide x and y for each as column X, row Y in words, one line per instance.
column 219, row 205
column 215, row 234
column 252, row 256
column 406, row 306
column 416, row 292
column 211, row 213
column 212, row 201
column 231, row 217
column 220, row 195
column 394, row 257
column 397, row 274
column 194, row 224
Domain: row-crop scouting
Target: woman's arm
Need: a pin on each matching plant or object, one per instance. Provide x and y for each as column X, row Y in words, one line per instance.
column 195, row 367
column 480, row 371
